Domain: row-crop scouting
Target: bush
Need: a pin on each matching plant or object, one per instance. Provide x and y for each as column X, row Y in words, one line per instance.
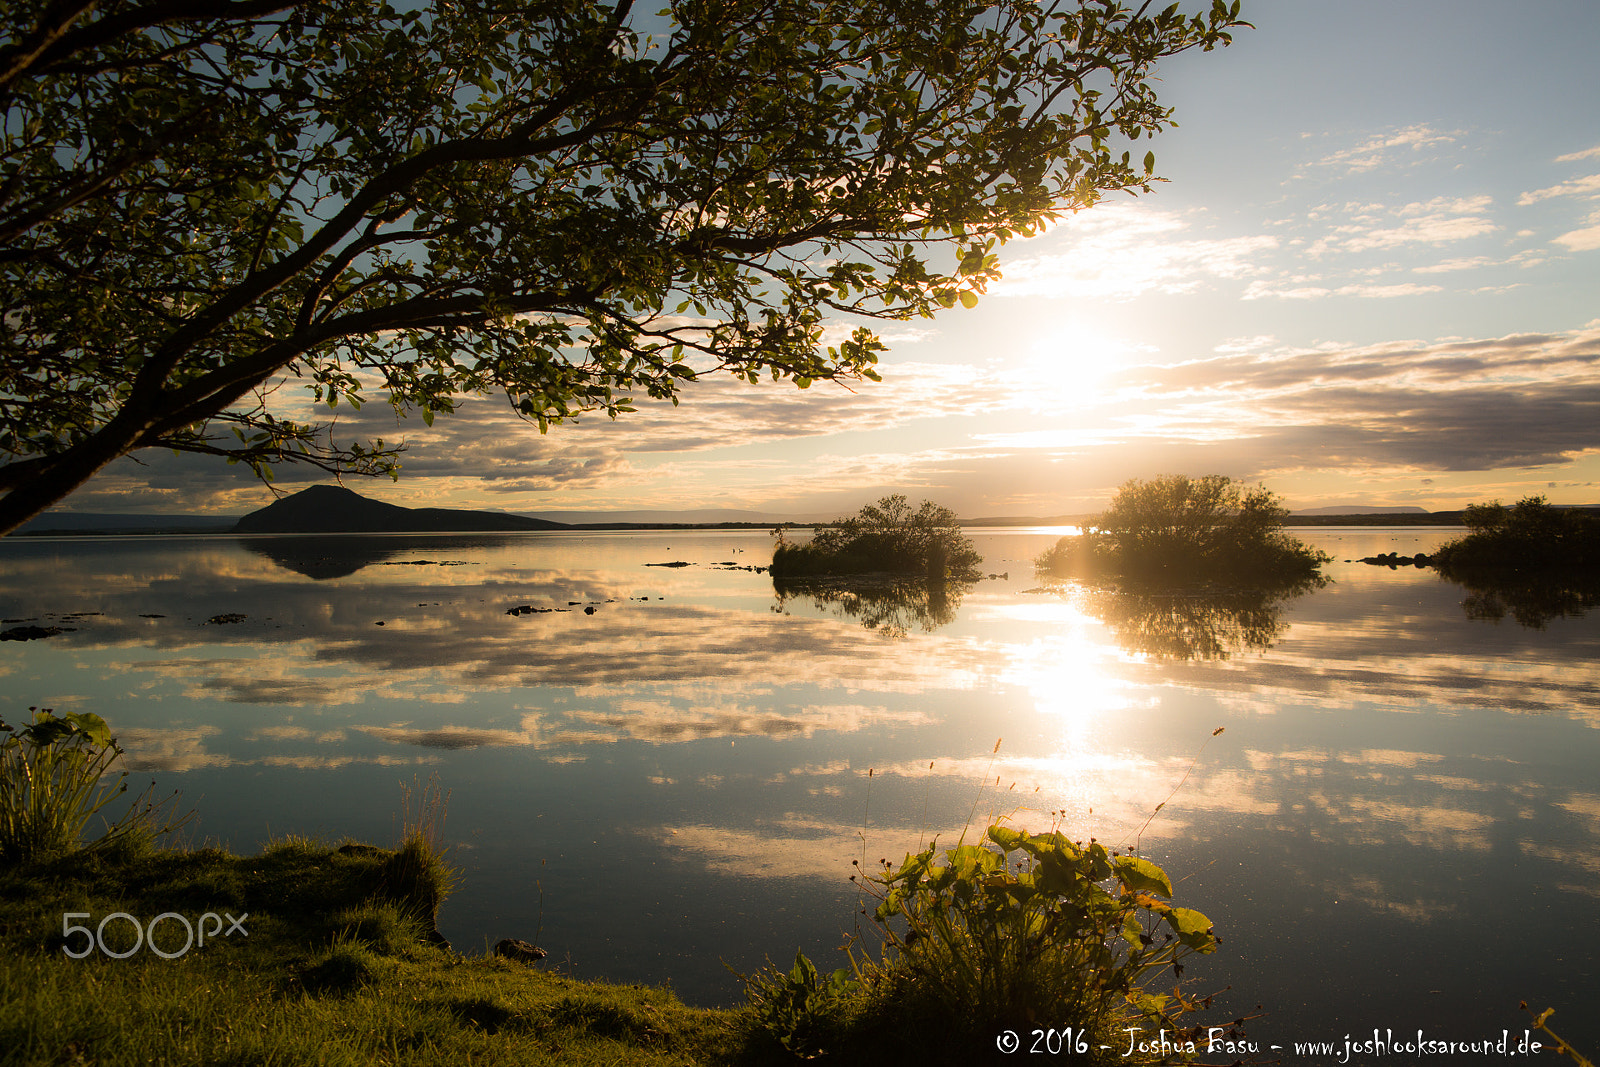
column 995, row 937
column 50, row 774
column 886, row 537
column 1177, row 530
column 1531, row 536
column 1026, row 930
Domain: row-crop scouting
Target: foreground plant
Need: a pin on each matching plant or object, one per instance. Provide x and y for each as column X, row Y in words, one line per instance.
column 50, row 787
column 1031, row 933
column 1029, row 930
column 1540, row 1021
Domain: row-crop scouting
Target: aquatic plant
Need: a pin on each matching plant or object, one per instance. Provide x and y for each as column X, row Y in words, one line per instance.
column 50, row 788
column 1038, row 928
column 1540, row 1021
column 1025, row 930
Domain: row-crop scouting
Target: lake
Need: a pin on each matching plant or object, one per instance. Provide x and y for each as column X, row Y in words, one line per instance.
column 660, row 773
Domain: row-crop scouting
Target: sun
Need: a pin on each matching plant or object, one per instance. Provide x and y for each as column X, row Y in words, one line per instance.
column 1075, row 360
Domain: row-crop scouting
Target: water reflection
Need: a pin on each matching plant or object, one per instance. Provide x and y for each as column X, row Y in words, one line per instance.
column 702, row 769
column 1533, row 600
column 324, row 558
column 889, row 606
column 1191, row 625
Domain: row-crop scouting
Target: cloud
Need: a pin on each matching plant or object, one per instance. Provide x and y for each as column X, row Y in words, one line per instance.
column 1371, row 226
column 1587, row 186
column 1584, row 240
column 1260, row 290
column 1573, row 157
column 1121, row 251
column 1520, row 400
column 1460, row 263
column 1386, row 148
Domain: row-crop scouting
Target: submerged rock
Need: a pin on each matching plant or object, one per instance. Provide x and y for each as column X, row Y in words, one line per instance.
column 33, row 633
column 1394, row 559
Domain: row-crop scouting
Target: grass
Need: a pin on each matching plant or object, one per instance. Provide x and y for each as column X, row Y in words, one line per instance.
column 337, row 966
column 52, row 784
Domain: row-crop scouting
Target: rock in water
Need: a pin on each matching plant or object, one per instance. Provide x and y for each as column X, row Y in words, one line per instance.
column 513, row 949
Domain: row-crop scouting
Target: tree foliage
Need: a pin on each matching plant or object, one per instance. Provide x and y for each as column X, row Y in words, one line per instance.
column 1177, row 530
column 1530, row 536
column 202, row 200
column 886, row 537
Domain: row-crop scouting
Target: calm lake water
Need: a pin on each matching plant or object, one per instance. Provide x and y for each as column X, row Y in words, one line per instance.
column 1398, row 829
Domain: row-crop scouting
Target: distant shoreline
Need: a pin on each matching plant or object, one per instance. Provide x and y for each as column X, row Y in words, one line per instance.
column 1401, row 519
column 229, row 531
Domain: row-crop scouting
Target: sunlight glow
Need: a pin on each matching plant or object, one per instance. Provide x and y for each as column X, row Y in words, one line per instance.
column 1071, row 361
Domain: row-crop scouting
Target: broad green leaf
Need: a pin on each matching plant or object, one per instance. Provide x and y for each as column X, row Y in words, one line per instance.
column 1142, row 876
column 1192, row 928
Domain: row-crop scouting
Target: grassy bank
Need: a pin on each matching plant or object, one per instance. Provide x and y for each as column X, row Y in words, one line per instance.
column 113, row 952
column 332, row 961
column 327, row 955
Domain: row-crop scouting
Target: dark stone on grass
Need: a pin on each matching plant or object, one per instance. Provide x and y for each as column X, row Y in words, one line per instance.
column 514, row 949
column 219, row 620
column 590, row 610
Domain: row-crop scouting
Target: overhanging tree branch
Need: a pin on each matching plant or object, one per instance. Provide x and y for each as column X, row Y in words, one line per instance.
column 564, row 185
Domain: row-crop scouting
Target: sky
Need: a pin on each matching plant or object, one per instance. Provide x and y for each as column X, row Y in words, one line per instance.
column 1370, row 278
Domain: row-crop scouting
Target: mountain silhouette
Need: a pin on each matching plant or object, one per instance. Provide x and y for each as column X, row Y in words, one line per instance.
column 335, row 509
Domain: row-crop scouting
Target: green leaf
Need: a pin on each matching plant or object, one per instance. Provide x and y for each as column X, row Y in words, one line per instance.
column 1193, row 929
column 1132, row 931
column 1142, row 876
column 1006, row 837
column 969, row 299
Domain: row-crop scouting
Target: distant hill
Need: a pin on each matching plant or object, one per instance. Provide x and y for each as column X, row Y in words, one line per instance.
column 334, row 509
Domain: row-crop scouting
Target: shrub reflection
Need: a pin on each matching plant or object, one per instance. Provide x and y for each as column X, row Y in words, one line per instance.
column 1206, row 624
column 888, row 606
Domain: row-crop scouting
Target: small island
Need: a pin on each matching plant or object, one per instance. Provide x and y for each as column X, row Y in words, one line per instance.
column 1174, row 531
column 885, row 538
column 1531, row 536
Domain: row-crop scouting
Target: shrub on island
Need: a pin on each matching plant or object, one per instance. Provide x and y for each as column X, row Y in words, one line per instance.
column 1175, row 530
column 883, row 538
column 1530, row 536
